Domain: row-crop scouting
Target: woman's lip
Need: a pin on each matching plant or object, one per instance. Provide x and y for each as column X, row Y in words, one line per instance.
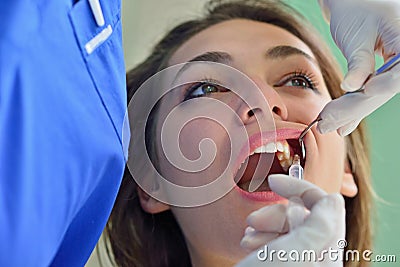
column 264, row 196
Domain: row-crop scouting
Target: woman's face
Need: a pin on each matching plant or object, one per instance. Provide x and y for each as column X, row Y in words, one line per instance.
column 287, row 73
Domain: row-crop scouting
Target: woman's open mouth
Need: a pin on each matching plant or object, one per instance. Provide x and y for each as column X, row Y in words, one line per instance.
column 249, row 171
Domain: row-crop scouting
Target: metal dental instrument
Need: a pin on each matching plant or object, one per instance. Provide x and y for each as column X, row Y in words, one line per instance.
column 303, row 133
column 384, row 68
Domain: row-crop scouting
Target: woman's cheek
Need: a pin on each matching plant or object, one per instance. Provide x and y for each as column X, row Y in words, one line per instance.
column 330, row 162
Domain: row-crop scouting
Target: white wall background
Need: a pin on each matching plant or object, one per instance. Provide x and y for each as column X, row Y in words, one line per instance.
column 145, row 21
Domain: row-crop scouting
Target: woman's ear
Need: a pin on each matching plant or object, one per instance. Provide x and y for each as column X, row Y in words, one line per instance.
column 349, row 187
column 150, row 204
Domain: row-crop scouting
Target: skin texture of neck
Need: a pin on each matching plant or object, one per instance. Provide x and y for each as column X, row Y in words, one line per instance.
column 205, row 259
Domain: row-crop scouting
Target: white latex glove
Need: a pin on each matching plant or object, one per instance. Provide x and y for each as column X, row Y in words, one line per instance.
column 360, row 29
column 321, row 230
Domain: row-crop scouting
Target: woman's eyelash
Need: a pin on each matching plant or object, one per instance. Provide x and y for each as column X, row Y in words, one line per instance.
column 309, row 77
column 202, row 82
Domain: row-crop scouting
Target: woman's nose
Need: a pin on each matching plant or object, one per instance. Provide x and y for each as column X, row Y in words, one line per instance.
column 269, row 103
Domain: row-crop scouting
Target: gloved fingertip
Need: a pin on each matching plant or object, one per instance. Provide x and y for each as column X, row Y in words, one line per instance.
column 245, row 242
column 336, row 202
column 348, row 129
column 249, row 230
column 339, row 200
column 250, row 219
column 323, row 128
column 343, row 131
column 354, row 80
column 349, row 86
column 360, row 65
column 333, row 201
column 277, row 179
column 340, row 131
column 279, row 182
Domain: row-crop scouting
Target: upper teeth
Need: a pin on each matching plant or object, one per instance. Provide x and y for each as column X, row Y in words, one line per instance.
column 267, row 148
column 281, row 146
column 283, row 152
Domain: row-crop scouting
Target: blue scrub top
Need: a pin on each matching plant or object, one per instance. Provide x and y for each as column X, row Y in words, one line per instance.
column 62, row 107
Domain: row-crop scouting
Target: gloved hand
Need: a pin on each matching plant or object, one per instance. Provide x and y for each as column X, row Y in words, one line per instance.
column 321, row 230
column 362, row 28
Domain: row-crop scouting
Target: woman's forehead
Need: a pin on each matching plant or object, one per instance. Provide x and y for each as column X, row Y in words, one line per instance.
column 240, row 38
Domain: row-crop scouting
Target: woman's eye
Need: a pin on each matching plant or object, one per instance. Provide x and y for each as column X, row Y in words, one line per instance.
column 299, row 79
column 300, row 82
column 203, row 89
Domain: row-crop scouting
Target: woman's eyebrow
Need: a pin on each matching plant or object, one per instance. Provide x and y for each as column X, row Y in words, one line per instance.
column 284, row 51
column 213, row 56
column 276, row 52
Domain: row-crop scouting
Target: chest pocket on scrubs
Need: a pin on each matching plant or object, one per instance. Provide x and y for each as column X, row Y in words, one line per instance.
column 101, row 49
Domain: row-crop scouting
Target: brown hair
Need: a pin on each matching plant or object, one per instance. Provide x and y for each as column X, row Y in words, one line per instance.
column 137, row 238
